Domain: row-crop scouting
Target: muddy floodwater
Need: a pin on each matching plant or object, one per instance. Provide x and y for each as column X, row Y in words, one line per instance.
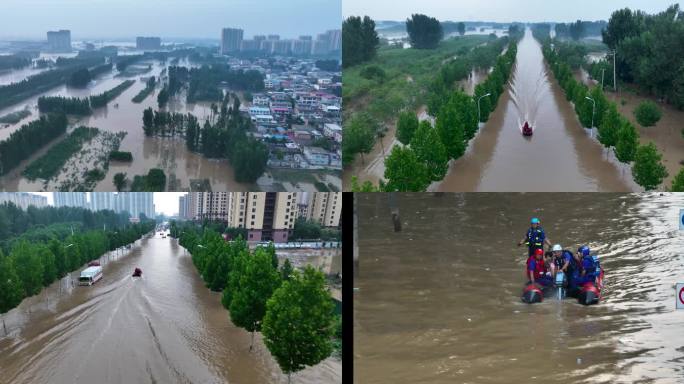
column 121, row 114
column 560, row 156
column 439, row 301
column 165, row 327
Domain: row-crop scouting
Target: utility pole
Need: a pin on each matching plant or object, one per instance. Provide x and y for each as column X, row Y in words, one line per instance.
column 614, row 77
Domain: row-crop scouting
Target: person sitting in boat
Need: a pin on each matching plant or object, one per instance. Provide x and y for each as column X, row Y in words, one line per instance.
column 536, row 270
column 584, row 268
column 535, row 237
column 549, row 264
column 561, row 259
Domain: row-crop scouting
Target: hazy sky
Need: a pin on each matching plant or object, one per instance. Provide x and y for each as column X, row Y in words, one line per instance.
column 167, row 18
column 499, row 10
column 164, row 202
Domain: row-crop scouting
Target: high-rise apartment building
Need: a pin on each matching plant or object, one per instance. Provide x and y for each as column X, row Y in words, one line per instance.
column 324, row 208
column 134, row 203
column 102, row 200
column 147, row 43
column 184, row 207
column 23, row 200
column 70, row 199
column 231, row 40
column 59, row 41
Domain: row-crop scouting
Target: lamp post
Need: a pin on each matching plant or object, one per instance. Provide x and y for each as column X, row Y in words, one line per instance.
column 603, row 72
column 71, row 278
column 593, row 108
column 478, row 107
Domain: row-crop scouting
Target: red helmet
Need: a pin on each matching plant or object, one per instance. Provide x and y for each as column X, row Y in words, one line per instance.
column 539, row 251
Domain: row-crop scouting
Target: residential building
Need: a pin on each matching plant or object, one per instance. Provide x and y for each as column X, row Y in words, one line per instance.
column 23, row 199
column 282, row 47
column 326, row 208
column 70, row 199
column 102, row 200
column 250, row 45
column 231, row 40
column 317, row 156
column 148, row 43
column 135, row 203
column 59, row 41
column 184, row 207
column 332, row 131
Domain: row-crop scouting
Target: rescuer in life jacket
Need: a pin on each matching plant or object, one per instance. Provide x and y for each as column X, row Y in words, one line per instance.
column 535, row 238
column 584, row 270
column 561, row 259
column 536, row 270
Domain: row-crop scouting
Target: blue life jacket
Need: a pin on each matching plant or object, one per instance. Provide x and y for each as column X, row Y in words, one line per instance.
column 589, row 266
column 560, row 261
column 535, row 237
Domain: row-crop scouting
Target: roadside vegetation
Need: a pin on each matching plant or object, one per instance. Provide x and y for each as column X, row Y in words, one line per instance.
column 67, row 105
column 51, row 162
column 223, row 135
column 149, row 88
column 15, row 117
column 30, row 138
column 102, row 99
column 41, row 245
column 591, row 105
column 263, row 297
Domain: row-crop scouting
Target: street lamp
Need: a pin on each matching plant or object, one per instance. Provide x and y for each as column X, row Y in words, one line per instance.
column 592, row 111
column 478, row 107
column 603, row 72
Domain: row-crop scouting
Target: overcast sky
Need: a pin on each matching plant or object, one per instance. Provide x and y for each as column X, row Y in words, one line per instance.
column 499, row 10
column 167, row 18
column 164, row 202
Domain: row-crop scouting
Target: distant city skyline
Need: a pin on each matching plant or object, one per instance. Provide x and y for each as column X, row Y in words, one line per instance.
column 503, row 11
column 164, row 202
column 198, row 19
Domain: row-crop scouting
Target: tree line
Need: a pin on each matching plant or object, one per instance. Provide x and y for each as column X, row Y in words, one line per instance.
column 223, row 135
column 149, row 88
column 102, row 99
column 614, row 130
column 32, row 136
column 13, row 62
column 53, row 160
column 650, row 52
column 292, row 309
column 35, row 260
column 15, row 92
column 427, row 150
column 204, row 82
column 67, row 105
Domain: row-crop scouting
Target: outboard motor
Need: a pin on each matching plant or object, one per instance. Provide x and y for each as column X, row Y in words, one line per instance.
column 560, row 284
column 532, row 294
column 589, row 294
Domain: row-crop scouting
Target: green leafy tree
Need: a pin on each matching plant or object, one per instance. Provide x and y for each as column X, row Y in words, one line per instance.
column 286, row 270
column 47, row 259
column 404, row 172
column 120, row 181
column 407, row 124
column 298, row 325
column 430, row 151
column 156, row 180
column 647, row 113
column 238, row 265
column 627, row 142
column 163, row 97
column 305, row 230
column 359, row 40
column 358, row 137
column 255, row 286
column 11, row 292
column 609, row 127
column 461, row 28
column 648, row 169
column 424, row 32
column 451, row 132
column 148, row 121
column 29, row 267
column 678, row 182
column 366, row 186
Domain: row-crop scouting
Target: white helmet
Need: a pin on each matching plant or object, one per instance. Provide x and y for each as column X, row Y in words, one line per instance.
column 557, row 247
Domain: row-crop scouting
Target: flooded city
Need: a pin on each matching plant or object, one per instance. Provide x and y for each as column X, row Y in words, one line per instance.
column 438, row 299
column 165, row 327
column 563, row 155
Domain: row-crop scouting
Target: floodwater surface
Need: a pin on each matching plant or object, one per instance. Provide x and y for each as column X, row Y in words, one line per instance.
column 560, row 156
column 165, row 327
column 121, row 114
column 439, row 301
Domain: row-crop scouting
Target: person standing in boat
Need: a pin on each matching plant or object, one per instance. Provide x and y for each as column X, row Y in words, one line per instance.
column 535, row 238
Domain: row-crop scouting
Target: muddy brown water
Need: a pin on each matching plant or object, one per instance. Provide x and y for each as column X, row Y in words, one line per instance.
column 121, row 114
column 166, row 327
column 439, row 301
column 560, row 156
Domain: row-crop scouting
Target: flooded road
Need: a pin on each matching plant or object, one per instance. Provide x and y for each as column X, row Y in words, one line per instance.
column 439, row 301
column 166, row 327
column 121, row 114
column 560, row 156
